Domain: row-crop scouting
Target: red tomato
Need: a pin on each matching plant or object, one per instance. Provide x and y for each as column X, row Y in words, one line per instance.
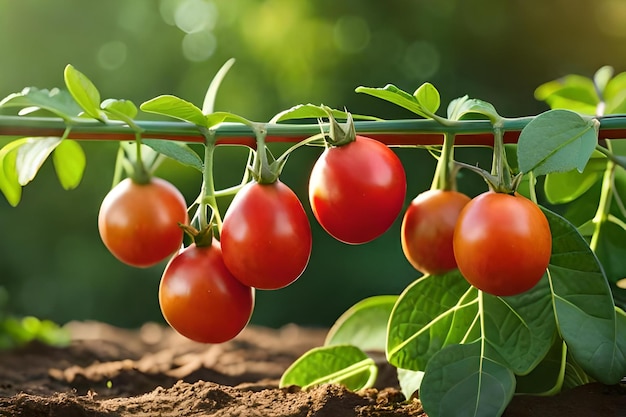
column 266, row 236
column 201, row 299
column 502, row 243
column 138, row 223
column 357, row 190
column 427, row 230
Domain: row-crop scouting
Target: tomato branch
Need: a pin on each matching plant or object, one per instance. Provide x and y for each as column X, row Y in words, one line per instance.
column 391, row 132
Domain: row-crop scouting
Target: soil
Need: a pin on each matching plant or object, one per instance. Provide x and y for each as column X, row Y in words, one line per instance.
column 152, row 371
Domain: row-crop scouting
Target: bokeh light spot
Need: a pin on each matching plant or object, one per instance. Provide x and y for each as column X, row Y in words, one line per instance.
column 421, row 60
column 112, row 55
column 199, row 46
column 351, row 34
column 193, row 16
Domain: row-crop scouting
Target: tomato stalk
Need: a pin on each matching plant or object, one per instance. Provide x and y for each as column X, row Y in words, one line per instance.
column 604, row 204
column 445, row 171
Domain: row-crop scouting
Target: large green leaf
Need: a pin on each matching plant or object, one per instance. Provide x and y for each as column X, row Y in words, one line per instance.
column 583, row 304
column 431, row 313
column 9, row 184
column 556, row 141
column 464, row 380
column 340, row 364
column 363, row 325
column 572, row 92
column 547, row 378
column 31, row 155
column 564, row 187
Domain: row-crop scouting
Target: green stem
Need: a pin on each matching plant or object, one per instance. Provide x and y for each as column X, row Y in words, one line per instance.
column 500, row 168
column 444, row 178
column 604, row 204
column 208, row 197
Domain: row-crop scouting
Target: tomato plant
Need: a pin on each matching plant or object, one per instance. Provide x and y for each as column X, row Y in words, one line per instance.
column 529, row 281
column 201, row 299
column 502, row 243
column 427, row 229
column 357, row 190
column 139, row 223
column 266, row 236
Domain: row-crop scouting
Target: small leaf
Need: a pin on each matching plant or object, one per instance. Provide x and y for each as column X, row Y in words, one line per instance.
column 340, row 364
column 31, row 156
column 363, row 325
column 394, row 95
column 175, row 107
column 410, row 381
column 602, row 77
column 464, row 108
column 69, row 163
column 564, row 187
column 178, row 151
column 208, row 105
column 547, row 378
column 462, row 380
column 311, row 111
column 572, row 92
column 9, row 184
column 56, row 101
column 556, row 141
column 115, row 108
column 84, row 91
column 428, row 97
column 615, row 94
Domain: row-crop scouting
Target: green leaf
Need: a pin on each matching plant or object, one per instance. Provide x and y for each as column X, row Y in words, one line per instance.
column 602, row 77
column 583, row 305
column 428, row 97
column 341, row 364
column 31, row 155
column 175, row 107
column 69, row 163
column 556, row 141
column 56, row 101
column 564, row 187
column 615, row 94
column 363, row 325
column 84, row 91
column 394, row 95
column 312, row 111
column 120, row 109
column 464, row 108
column 178, row 151
column 547, row 378
column 572, row 92
column 520, row 328
column 9, row 184
column 431, row 313
column 463, row 380
column 208, row 106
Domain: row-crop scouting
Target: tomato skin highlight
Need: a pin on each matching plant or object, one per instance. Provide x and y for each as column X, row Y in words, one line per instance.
column 266, row 236
column 502, row 243
column 138, row 223
column 356, row 191
column 201, row 299
column 428, row 228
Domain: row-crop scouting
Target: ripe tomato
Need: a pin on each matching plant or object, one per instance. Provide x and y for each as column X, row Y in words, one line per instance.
column 266, row 236
column 357, row 190
column 502, row 243
column 427, row 230
column 138, row 223
column 201, row 299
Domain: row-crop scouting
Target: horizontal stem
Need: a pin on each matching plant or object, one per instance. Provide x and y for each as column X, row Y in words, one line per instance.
column 391, row 132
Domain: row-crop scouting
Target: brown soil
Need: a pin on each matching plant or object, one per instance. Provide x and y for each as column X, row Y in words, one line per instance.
column 109, row 371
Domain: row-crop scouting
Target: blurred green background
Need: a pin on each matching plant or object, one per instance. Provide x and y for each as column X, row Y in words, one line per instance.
column 52, row 261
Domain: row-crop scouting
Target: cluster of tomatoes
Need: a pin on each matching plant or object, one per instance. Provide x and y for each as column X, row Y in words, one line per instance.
column 501, row 243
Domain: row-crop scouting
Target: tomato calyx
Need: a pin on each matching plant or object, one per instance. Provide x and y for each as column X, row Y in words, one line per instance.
column 339, row 134
column 201, row 238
